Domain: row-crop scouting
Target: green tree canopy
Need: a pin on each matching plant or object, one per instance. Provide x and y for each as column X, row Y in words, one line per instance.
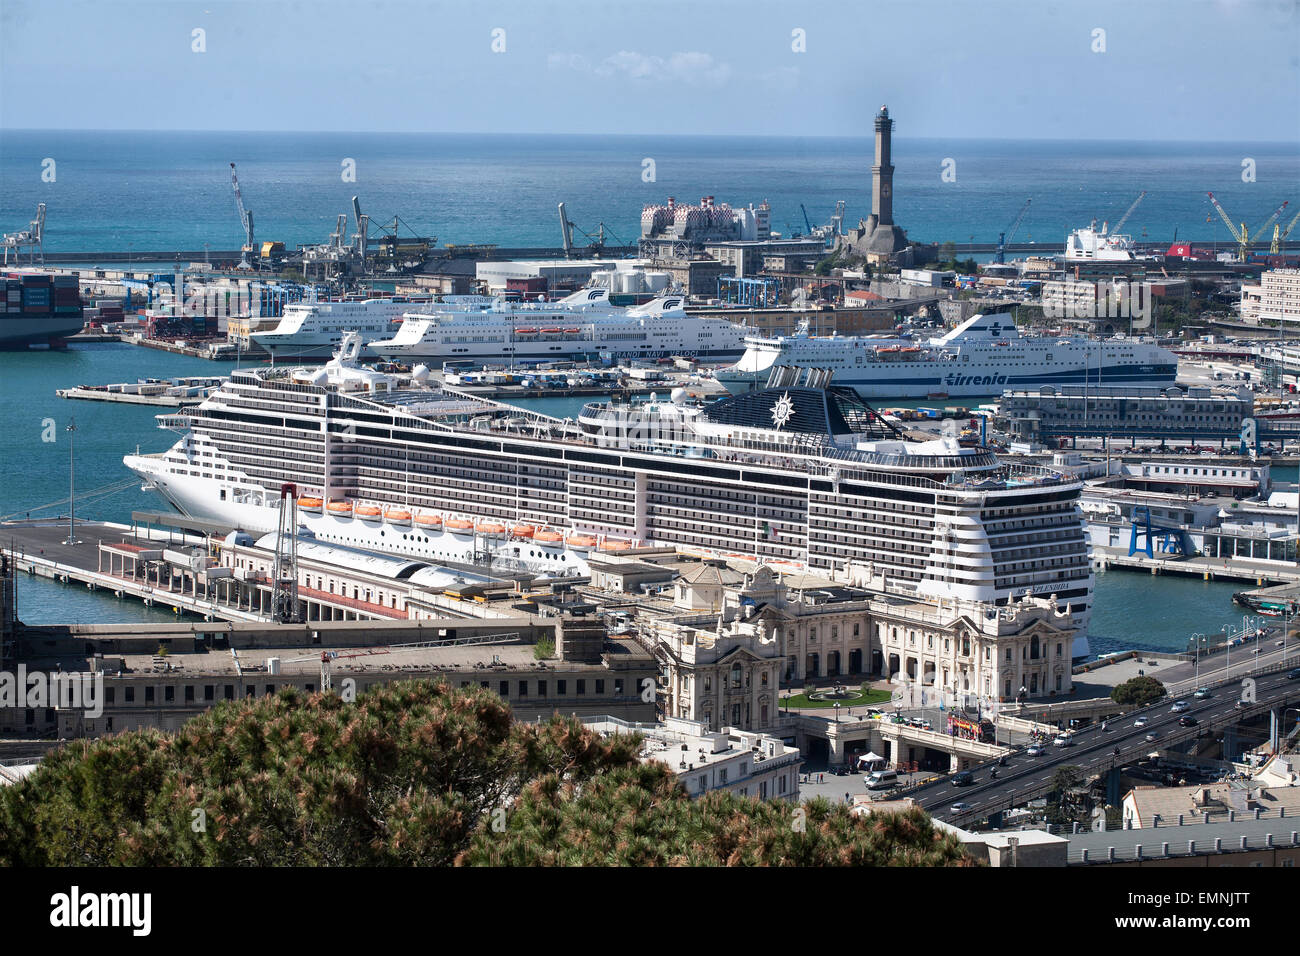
column 1138, row 692
column 411, row 773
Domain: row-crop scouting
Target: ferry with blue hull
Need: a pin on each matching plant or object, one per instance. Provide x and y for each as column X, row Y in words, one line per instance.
column 983, row 356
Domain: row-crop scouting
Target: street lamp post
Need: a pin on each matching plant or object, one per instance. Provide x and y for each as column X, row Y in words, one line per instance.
column 72, row 484
column 1198, row 641
column 837, row 711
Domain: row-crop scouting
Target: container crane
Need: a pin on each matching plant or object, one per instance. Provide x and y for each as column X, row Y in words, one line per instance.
column 1278, row 239
column 1241, row 235
column 566, row 233
column 1010, row 234
column 362, row 239
column 1271, row 221
column 806, row 222
column 245, row 220
column 1128, row 212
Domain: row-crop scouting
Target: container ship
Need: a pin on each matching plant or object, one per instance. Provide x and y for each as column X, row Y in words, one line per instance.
column 584, row 326
column 983, row 356
column 40, row 310
column 804, row 475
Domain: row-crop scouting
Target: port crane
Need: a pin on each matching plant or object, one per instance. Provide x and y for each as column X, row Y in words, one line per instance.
column 1129, row 211
column 597, row 244
column 29, row 239
column 1280, row 234
column 361, row 240
column 1010, row 234
column 245, row 220
column 1241, row 235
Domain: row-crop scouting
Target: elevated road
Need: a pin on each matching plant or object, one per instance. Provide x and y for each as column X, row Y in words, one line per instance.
column 1096, row 751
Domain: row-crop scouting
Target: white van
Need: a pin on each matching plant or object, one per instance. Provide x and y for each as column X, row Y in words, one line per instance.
column 882, row 780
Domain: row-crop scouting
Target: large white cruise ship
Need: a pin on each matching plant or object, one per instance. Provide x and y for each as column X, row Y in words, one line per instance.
column 310, row 330
column 983, row 356
column 802, row 475
column 582, row 326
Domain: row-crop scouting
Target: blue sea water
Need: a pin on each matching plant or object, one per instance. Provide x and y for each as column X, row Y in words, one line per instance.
column 158, row 191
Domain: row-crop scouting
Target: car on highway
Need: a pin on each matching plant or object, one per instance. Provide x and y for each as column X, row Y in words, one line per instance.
column 1152, row 735
column 1140, row 722
column 961, row 807
column 1202, row 693
column 1179, row 707
column 963, row 779
column 1064, row 740
column 1034, row 751
column 1293, row 674
column 1187, row 721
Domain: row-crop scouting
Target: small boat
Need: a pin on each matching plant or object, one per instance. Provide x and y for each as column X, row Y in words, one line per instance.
column 460, row 525
column 552, row 331
column 340, row 507
column 581, row 541
column 523, row 531
column 490, row 527
column 525, row 331
column 614, row 545
column 310, row 504
column 548, row 537
column 429, row 521
column 572, row 331
column 398, row 516
column 369, row 512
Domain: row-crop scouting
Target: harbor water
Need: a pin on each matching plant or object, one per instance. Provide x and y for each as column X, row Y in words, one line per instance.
column 1130, row 609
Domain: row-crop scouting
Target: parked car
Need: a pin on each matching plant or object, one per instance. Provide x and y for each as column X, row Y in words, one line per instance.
column 1187, row 721
column 1179, row 706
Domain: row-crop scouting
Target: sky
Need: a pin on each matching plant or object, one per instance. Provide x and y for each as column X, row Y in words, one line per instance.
column 1197, row 70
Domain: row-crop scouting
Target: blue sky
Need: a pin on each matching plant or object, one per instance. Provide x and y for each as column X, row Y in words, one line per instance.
column 1218, row 70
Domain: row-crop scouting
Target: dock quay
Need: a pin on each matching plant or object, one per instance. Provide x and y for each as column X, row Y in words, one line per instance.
column 1261, row 573
column 220, row 577
column 165, row 393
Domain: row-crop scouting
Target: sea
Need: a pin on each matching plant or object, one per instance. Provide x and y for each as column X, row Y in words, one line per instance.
column 153, row 191
column 160, row 191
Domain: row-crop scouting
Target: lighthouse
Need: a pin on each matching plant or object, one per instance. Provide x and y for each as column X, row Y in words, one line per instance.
column 877, row 237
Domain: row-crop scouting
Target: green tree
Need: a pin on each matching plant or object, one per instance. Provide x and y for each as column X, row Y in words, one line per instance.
column 642, row 817
column 411, row 773
column 1138, row 692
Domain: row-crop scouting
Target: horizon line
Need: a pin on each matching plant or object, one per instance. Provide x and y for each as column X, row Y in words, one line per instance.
column 496, row 133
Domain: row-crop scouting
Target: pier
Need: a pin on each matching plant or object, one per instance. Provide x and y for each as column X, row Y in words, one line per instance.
column 1260, row 573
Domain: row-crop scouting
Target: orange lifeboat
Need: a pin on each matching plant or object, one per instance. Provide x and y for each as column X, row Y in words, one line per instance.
column 612, row 545
column 548, row 537
column 429, row 521
column 460, row 525
column 398, row 516
column 310, row 504
column 522, row 531
column 369, row 512
column 490, row 527
column 340, row 507
column 581, row 541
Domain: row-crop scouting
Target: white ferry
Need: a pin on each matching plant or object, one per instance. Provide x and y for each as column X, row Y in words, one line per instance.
column 581, row 326
column 1099, row 245
column 315, row 329
column 983, row 356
